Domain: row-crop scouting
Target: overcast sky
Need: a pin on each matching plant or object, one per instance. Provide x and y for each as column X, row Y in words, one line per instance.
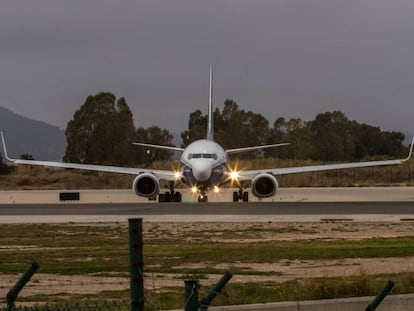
column 281, row 58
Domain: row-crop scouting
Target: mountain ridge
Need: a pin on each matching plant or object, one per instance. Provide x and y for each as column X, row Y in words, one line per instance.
column 27, row 136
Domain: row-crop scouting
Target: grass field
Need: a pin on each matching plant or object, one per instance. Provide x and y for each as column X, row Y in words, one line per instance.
column 174, row 252
column 266, row 260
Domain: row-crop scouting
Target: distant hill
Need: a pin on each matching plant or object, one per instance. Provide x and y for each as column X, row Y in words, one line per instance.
column 23, row 135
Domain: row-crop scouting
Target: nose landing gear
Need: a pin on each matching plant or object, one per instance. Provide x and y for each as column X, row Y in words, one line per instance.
column 202, row 196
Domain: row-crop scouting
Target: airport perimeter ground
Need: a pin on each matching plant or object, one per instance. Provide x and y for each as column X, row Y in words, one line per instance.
column 176, row 223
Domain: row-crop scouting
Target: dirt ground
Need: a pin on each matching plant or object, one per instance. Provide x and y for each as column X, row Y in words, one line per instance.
column 282, row 270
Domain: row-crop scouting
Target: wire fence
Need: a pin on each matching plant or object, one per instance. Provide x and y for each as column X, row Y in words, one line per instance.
column 120, row 305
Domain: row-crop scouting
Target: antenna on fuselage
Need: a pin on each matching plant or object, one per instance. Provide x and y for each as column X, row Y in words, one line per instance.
column 210, row 124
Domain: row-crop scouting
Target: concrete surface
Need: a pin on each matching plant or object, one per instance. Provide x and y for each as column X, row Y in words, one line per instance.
column 390, row 303
column 353, row 194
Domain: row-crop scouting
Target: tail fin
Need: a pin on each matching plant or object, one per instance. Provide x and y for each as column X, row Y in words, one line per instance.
column 210, row 124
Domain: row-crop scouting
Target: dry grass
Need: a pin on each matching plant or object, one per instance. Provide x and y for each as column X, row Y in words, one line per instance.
column 38, row 178
column 84, row 260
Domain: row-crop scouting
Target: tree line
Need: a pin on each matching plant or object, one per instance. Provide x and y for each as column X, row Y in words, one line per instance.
column 4, row 168
column 102, row 131
column 331, row 136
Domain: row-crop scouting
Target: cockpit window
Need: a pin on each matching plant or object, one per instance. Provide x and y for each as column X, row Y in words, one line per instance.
column 202, row 156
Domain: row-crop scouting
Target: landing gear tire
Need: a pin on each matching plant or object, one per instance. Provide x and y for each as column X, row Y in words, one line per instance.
column 161, row 197
column 170, row 197
column 235, row 196
column 240, row 196
column 177, row 197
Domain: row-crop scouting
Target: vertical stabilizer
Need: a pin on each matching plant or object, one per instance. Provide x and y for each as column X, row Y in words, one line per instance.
column 210, row 124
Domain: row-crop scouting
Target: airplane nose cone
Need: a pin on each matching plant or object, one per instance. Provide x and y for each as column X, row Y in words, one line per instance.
column 201, row 171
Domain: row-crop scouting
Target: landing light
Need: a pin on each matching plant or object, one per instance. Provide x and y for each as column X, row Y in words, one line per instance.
column 177, row 175
column 234, row 175
column 194, row 189
column 216, row 189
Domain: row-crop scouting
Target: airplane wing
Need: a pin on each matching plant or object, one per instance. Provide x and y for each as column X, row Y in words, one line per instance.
column 161, row 174
column 247, row 175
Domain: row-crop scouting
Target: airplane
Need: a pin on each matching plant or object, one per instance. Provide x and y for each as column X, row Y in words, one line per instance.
column 204, row 167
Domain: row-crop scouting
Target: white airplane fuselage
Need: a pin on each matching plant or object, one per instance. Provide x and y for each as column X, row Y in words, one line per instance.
column 204, row 164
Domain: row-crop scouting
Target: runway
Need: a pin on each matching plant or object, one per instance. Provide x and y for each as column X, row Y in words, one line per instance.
column 111, row 196
column 291, row 204
column 210, row 212
column 251, row 208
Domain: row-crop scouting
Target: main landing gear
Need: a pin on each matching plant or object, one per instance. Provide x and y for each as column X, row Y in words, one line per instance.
column 170, row 196
column 240, row 196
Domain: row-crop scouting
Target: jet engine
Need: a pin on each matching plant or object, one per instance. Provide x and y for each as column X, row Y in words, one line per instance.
column 264, row 185
column 146, row 185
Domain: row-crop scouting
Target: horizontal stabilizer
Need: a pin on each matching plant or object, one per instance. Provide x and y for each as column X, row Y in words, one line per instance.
column 255, row 148
column 159, row 147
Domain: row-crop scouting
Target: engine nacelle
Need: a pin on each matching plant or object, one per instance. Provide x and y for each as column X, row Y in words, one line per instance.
column 146, row 185
column 264, row 185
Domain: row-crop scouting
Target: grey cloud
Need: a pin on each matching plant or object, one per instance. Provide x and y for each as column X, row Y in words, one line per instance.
column 292, row 58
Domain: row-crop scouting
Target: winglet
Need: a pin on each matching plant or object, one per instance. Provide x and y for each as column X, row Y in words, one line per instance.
column 410, row 152
column 4, row 148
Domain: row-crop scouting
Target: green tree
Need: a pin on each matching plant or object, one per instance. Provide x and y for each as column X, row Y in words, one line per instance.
column 26, row 156
column 233, row 128
column 124, row 130
column 336, row 138
column 255, row 131
column 230, row 129
column 392, row 143
column 332, row 136
column 4, row 168
column 368, row 140
column 197, row 128
column 300, row 138
column 101, row 132
column 277, row 134
column 242, row 128
column 1, row 164
column 153, row 135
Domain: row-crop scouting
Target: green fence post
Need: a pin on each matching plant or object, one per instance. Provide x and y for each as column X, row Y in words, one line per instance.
column 191, row 295
column 14, row 292
column 216, row 289
column 374, row 304
column 136, row 262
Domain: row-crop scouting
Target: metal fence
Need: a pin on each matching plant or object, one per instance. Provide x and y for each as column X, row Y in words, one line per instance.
column 119, row 305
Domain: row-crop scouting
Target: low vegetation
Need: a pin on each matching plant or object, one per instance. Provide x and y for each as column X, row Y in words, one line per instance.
column 101, row 250
column 96, row 250
column 39, row 178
